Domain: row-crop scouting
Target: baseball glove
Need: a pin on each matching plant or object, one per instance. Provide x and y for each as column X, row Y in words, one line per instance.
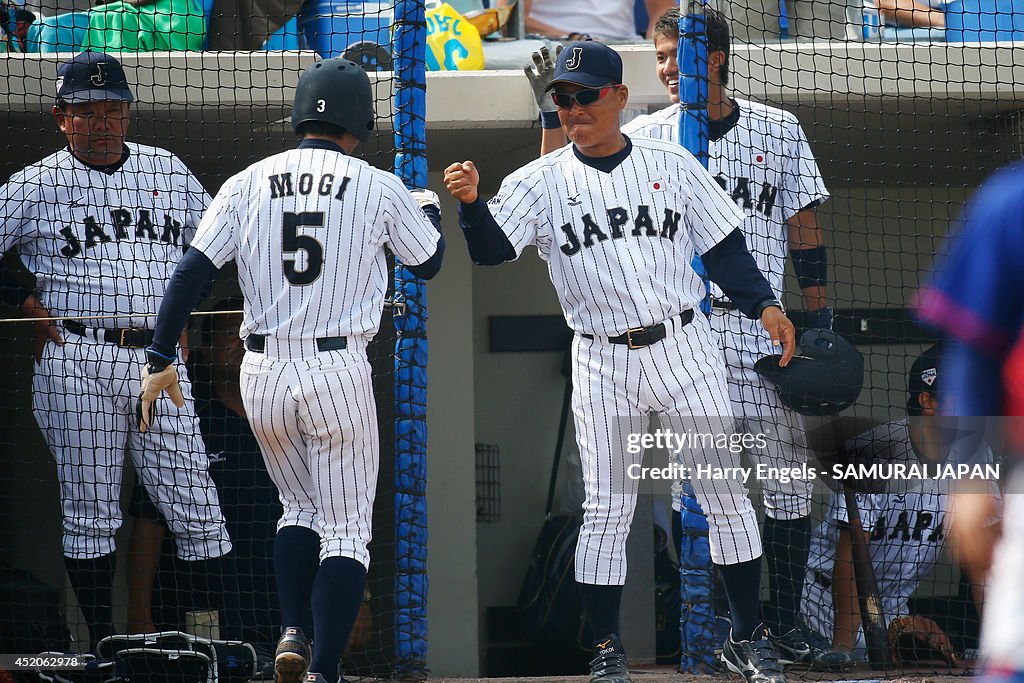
column 915, row 638
column 540, row 73
column 158, row 376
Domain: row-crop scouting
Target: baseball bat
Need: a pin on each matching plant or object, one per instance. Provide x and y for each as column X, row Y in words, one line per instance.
column 872, row 618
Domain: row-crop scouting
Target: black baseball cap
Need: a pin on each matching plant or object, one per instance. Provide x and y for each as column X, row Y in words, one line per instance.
column 92, row 77
column 587, row 63
column 924, row 376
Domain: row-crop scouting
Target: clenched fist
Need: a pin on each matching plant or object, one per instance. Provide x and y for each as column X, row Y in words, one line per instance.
column 462, row 180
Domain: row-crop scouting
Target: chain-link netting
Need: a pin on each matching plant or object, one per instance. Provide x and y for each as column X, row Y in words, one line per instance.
column 104, row 531
column 850, row 135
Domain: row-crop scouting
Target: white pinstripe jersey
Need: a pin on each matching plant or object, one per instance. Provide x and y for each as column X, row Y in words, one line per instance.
column 766, row 165
column 906, row 526
column 618, row 244
column 102, row 242
column 307, row 228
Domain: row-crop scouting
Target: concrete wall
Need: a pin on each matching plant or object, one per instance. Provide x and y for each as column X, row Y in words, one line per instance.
column 451, row 495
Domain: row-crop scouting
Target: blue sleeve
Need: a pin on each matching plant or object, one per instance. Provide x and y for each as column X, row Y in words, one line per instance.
column 11, row 290
column 190, row 278
column 977, row 294
column 731, row 267
column 488, row 244
column 432, row 266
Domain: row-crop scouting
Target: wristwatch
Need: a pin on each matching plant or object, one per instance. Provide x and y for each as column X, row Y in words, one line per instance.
column 768, row 303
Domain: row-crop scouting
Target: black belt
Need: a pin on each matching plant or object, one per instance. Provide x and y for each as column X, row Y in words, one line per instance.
column 639, row 337
column 258, row 343
column 723, row 304
column 125, row 337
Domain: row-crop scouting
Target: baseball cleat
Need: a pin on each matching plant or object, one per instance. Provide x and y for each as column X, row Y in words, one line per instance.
column 803, row 646
column 756, row 660
column 609, row 663
column 291, row 658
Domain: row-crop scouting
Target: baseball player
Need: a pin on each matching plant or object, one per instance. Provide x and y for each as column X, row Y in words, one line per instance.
column 102, row 224
column 984, row 374
column 618, row 221
column 760, row 157
column 307, row 229
column 905, row 530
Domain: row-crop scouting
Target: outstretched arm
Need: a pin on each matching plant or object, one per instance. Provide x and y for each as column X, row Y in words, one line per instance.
column 911, row 13
column 191, row 276
column 488, row 244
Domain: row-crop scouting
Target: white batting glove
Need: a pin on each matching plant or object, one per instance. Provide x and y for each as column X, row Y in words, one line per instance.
column 540, row 73
column 425, row 197
column 155, row 381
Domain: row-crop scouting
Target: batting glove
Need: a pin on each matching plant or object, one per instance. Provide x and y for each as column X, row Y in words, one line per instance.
column 540, row 74
column 158, row 376
column 820, row 319
column 426, row 198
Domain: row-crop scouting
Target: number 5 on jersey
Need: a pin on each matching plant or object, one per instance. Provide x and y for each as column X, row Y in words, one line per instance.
column 292, row 242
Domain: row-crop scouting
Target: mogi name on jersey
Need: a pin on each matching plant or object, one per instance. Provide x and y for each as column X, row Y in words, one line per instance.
column 281, row 185
column 121, row 220
column 619, row 218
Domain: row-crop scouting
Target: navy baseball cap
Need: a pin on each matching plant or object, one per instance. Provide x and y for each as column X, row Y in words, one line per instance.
column 92, row 77
column 924, row 376
column 587, row 63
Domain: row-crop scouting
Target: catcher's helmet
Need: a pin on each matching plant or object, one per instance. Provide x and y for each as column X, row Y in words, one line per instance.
column 825, row 379
column 335, row 91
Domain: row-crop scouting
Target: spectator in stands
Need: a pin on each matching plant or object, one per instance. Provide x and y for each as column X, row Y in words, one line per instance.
column 583, row 19
column 246, row 24
column 904, row 529
column 14, row 32
column 913, row 19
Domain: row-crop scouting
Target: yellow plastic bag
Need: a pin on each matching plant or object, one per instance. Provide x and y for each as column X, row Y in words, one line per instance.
column 453, row 44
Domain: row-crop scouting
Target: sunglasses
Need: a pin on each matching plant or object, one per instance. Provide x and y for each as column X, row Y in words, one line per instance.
column 584, row 98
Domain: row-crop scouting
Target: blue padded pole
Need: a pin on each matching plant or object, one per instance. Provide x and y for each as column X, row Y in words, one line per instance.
column 696, row 577
column 410, row 357
column 693, row 98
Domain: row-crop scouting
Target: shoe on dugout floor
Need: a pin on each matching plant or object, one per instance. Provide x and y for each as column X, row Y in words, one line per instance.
column 609, row 663
column 291, row 658
column 804, row 646
column 756, row 660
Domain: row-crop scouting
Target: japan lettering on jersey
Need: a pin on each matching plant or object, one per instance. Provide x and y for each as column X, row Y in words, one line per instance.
column 906, row 526
column 102, row 242
column 307, row 229
column 765, row 165
column 618, row 244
